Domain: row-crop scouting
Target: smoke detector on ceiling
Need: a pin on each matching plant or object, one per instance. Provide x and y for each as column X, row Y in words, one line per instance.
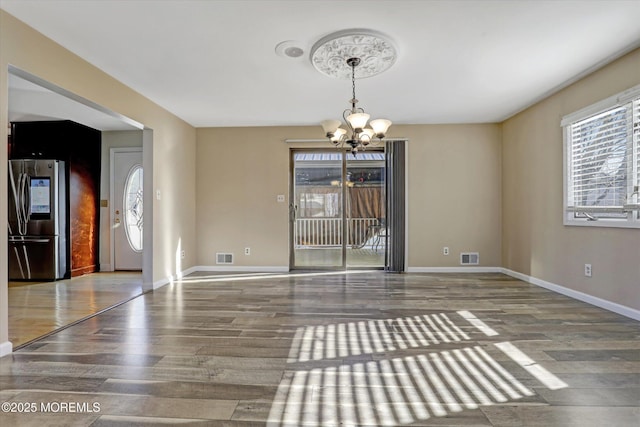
column 290, row 49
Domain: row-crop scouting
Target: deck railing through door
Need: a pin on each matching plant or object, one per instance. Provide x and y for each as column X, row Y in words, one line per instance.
column 327, row 232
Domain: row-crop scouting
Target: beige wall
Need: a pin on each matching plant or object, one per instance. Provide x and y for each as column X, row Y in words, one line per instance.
column 454, row 192
column 535, row 241
column 240, row 171
column 173, row 148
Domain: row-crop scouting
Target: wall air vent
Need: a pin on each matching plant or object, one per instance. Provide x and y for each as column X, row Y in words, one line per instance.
column 224, row 258
column 469, row 258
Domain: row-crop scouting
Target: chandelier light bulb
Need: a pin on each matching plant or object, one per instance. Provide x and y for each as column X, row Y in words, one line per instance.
column 366, row 136
column 338, row 134
column 358, row 121
column 380, row 127
column 330, row 127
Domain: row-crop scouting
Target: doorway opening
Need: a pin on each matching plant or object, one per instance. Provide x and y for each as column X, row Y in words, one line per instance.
column 337, row 210
column 62, row 302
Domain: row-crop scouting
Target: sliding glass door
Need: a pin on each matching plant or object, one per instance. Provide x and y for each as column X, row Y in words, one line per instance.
column 365, row 210
column 337, row 210
column 316, row 210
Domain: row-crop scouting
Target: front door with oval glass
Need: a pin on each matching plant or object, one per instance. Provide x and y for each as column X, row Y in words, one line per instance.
column 127, row 213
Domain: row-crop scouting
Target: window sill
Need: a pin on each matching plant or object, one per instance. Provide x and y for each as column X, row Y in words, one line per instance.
column 602, row 222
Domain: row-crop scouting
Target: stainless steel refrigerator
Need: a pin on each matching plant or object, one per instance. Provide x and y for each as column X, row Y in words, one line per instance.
column 37, row 220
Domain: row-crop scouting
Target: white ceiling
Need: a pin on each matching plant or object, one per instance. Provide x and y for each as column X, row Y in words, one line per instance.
column 213, row 63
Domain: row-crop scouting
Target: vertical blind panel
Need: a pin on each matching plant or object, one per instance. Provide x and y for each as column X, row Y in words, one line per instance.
column 395, row 186
column 636, row 143
column 600, row 156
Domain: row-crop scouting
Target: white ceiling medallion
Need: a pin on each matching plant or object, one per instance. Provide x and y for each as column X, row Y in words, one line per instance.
column 376, row 53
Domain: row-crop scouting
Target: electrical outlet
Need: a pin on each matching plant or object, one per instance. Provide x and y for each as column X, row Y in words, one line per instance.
column 445, row 250
column 182, row 255
column 247, row 251
column 587, row 270
column 280, row 198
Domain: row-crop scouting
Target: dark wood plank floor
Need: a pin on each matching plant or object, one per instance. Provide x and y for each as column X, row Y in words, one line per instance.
column 364, row 348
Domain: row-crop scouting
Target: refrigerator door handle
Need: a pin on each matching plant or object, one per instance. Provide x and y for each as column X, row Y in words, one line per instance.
column 22, row 200
column 14, row 239
column 27, row 198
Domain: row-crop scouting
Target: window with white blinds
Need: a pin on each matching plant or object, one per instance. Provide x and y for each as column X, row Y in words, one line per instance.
column 602, row 156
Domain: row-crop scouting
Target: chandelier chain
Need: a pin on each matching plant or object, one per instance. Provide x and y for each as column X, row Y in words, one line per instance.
column 353, row 85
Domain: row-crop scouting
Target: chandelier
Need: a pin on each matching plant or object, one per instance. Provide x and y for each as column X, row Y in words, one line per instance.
column 345, row 54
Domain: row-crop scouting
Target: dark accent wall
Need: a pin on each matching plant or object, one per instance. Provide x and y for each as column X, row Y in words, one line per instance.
column 80, row 147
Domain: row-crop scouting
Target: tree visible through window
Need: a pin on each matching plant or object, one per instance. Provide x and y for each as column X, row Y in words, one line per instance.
column 602, row 174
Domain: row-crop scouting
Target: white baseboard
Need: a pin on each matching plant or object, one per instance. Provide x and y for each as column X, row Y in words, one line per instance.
column 227, row 268
column 187, row 272
column 243, row 269
column 581, row 296
column 160, row 283
column 475, row 269
column 165, row 281
column 5, row 348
